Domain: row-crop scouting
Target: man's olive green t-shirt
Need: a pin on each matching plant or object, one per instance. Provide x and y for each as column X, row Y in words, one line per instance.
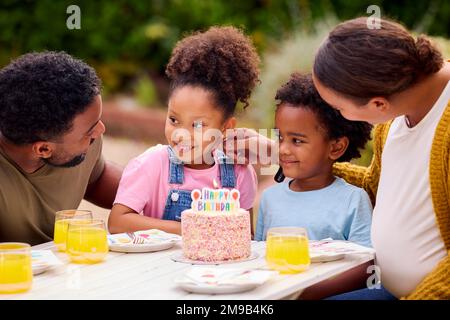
column 29, row 201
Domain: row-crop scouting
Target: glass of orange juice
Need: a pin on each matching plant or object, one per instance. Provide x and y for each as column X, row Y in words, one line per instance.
column 287, row 249
column 16, row 274
column 87, row 241
column 62, row 222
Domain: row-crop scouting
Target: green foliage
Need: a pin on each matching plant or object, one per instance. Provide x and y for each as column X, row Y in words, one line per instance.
column 122, row 37
column 366, row 155
column 443, row 45
column 293, row 53
column 145, row 92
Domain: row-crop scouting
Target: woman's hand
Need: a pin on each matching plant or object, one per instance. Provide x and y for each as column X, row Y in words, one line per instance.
column 246, row 146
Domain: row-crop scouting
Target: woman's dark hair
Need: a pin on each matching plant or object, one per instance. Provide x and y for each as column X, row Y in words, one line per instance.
column 300, row 92
column 41, row 93
column 361, row 63
column 222, row 60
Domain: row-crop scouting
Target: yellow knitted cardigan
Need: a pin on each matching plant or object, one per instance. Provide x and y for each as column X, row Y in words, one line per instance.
column 435, row 285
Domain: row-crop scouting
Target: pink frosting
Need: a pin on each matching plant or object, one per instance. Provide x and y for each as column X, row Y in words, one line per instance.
column 217, row 236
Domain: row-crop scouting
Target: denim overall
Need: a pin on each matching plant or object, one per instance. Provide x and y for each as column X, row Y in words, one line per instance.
column 180, row 200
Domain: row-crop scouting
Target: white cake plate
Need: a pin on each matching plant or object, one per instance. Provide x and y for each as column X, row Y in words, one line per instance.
column 179, row 257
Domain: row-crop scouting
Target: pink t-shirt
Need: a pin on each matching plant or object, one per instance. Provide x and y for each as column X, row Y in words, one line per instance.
column 145, row 182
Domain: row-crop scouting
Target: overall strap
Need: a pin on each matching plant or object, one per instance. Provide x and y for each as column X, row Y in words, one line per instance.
column 176, row 169
column 227, row 176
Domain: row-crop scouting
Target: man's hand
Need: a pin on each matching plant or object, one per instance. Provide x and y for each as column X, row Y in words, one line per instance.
column 103, row 191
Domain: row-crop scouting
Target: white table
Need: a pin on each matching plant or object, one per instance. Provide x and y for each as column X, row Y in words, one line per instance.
column 151, row 276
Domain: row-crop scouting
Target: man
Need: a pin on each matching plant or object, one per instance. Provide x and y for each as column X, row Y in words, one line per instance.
column 50, row 144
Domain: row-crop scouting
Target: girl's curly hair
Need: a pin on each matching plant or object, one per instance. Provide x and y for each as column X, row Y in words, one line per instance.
column 222, row 60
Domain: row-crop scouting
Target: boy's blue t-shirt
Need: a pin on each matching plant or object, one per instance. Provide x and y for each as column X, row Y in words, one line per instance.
column 339, row 211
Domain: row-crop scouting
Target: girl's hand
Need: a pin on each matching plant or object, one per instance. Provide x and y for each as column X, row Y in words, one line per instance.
column 246, row 146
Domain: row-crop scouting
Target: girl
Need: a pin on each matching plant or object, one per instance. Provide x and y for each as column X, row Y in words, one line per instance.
column 312, row 136
column 209, row 72
column 387, row 76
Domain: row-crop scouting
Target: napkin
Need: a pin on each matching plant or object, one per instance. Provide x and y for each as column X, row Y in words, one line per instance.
column 152, row 236
column 329, row 246
column 226, row 276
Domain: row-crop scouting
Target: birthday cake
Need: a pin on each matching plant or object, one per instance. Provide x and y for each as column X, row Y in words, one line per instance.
column 215, row 228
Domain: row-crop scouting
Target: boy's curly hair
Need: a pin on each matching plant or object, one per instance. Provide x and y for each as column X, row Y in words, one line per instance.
column 300, row 91
column 41, row 93
column 222, row 60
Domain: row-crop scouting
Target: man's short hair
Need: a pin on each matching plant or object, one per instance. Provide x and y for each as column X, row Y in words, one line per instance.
column 41, row 93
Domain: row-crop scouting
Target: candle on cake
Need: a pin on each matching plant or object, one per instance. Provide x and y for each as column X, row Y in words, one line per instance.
column 215, row 200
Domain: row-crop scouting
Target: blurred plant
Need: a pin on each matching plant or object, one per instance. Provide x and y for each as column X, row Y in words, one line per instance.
column 115, row 75
column 294, row 53
column 366, row 155
column 444, row 45
column 143, row 33
column 156, row 30
column 145, row 92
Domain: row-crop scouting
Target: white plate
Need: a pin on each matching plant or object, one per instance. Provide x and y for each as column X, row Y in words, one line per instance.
column 326, row 257
column 146, row 247
column 215, row 289
column 39, row 268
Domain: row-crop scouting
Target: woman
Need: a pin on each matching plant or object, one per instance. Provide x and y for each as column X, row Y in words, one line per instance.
column 386, row 77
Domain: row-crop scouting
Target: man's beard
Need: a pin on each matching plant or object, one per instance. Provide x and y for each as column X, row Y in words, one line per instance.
column 69, row 164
